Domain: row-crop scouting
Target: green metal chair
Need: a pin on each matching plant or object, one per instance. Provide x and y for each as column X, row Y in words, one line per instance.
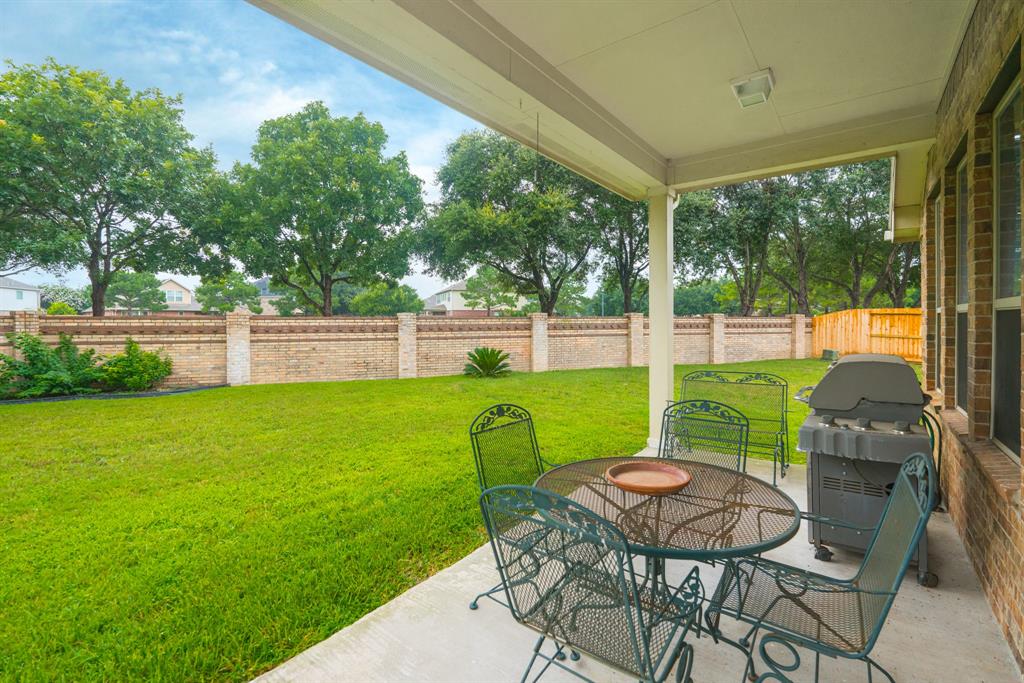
column 505, row 451
column 761, row 396
column 566, row 574
column 790, row 607
column 705, row 431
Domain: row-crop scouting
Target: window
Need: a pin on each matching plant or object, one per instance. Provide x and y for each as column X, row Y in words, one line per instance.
column 1006, row 346
column 174, row 296
column 961, row 286
column 19, row 295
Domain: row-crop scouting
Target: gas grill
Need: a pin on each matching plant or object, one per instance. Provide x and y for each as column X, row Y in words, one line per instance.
column 865, row 421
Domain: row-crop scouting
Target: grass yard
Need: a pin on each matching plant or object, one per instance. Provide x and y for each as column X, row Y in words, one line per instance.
column 214, row 535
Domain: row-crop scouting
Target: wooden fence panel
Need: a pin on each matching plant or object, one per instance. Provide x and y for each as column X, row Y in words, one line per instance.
column 870, row 330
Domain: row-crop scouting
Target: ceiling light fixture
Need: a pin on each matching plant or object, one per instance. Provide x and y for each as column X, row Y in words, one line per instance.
column 754, row 88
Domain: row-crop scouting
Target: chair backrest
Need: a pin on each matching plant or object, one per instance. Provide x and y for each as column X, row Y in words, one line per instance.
column 567, row 574
column 761, row 396
column 505, row 447
column 895, row 540
column 705, row 431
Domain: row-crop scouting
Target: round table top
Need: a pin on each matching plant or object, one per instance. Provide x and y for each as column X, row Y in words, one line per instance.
column 722, row 513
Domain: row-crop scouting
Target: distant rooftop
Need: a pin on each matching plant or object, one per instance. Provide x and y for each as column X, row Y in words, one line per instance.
column 11, row 283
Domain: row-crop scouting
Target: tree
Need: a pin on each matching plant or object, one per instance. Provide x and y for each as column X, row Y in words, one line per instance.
column 135, row 292
column 227, row 292
column 855, row 215
column 797, row 241
column 608, row 299
column 504, row 206
column 903, row 274
column 705, row 296
column 621, row 238
column 322, row 204
column 77, row 299
column 489, row 291
column 99, row 176
column 386, row 299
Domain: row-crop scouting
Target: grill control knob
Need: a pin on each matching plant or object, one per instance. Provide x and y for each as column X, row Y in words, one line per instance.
column 901, row 427
column 828, row 420
column 864, row 423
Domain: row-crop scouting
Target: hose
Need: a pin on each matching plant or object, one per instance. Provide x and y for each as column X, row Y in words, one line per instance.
column 931, row 423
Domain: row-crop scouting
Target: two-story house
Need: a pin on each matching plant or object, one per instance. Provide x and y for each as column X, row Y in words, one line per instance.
column 17, row 296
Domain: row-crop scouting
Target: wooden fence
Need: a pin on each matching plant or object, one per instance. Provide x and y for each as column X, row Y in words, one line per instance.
column 870, row 330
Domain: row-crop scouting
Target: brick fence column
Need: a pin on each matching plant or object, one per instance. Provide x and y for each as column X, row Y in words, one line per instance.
column 635, row 340
column 26, row 321
column 406, row 345
column 798, row 336
column 236, row 326
column 538, row 342
column 716, row 337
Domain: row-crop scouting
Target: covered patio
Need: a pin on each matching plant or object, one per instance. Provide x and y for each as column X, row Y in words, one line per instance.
column 652, row 99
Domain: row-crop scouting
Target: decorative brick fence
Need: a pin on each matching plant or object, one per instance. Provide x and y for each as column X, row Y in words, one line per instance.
column 240, row 348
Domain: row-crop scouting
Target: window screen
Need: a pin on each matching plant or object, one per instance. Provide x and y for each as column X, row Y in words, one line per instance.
column 961, row 235
column 1008, row 197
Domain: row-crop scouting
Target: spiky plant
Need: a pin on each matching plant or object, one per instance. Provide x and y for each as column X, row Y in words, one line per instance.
column 486, row 362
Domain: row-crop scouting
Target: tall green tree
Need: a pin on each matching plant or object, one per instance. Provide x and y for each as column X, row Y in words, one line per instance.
column 97, row 175
column 322, row 204
column 225, row 293
column 504, row 206
column 386, row 299
column 489, row 291
column 135, row 293
column 622, row 245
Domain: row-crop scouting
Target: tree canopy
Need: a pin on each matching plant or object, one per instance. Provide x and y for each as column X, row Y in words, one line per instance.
column 506, row 207
column 135, row 293
column 225, row 293
column 487, row 290
column 386, row 299
column 320, row 204
column 96, row 175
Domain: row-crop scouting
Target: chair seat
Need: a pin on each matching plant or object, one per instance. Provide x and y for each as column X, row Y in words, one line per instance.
column 583, row 609
column 832, row 613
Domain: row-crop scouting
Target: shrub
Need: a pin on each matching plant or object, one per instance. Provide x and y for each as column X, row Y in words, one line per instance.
column 135, row 369
column 487, row 362
column 60, row 308
column 42, row 371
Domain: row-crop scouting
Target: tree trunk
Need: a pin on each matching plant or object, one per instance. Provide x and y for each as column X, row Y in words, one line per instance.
column 99, row 295
column 627, row 298
column 325, row 290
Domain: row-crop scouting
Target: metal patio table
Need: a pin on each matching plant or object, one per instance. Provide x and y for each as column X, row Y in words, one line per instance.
column 721, row 515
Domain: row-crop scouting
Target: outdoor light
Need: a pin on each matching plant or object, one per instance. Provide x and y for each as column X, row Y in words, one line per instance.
column 753, row 88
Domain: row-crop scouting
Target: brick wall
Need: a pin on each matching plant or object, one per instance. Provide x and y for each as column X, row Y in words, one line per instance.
column 981, row 482
column 245, row 349
column 320, row 349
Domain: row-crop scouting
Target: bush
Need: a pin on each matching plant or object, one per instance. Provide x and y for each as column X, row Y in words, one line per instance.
column 60, row 308
column 42, row 371
column 135, row 369
column 487, row 362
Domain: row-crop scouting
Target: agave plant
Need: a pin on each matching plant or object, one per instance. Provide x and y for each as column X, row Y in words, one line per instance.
column 487, row 362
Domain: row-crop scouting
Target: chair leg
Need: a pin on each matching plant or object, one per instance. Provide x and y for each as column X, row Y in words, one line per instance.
column 489, row 593
column 872, row 664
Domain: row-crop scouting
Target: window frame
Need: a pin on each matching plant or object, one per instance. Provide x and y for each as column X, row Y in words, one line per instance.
column 962, row 191
column 174, row 296
column 1000, row 303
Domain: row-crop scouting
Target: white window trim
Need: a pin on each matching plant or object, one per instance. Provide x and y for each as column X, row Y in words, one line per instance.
column 1002, row 303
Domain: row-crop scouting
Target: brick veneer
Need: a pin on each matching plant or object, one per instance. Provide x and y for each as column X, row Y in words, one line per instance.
column 982, row 484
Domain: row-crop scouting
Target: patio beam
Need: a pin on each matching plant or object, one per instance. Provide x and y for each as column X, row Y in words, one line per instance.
column 660, row 206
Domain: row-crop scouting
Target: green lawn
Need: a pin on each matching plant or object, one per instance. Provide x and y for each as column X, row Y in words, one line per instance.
column 213, row 535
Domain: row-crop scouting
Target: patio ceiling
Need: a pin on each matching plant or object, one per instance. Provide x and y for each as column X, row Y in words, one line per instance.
column 635, row 94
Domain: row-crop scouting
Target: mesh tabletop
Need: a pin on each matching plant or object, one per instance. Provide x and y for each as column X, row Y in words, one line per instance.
column 722, row 513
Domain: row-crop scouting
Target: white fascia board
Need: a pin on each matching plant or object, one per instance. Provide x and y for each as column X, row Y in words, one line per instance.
column 459, row 55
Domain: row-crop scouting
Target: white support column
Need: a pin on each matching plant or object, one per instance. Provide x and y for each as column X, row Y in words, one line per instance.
column 660, row 351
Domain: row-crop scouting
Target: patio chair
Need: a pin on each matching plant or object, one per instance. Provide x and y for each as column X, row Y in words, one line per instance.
column 792, row 608
column 505, row 451
column 705, row 431
column 761, row 396
column 566, row 575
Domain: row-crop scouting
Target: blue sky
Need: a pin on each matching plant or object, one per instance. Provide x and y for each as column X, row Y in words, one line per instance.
column 235, row 66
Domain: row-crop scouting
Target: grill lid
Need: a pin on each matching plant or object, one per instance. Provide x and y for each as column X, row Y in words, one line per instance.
column 858, row 381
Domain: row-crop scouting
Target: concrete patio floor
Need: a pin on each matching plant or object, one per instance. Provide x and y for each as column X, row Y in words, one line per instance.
column 429, row 634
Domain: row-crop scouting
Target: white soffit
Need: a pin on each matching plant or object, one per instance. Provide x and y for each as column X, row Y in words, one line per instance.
column 635, row 94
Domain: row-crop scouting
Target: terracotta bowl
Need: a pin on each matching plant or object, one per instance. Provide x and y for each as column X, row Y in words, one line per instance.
column 649, row 478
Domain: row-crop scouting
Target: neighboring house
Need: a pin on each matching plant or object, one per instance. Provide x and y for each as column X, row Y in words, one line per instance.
column 449, row 301
column 179, row 299
column 17, row 296
column 268, row 297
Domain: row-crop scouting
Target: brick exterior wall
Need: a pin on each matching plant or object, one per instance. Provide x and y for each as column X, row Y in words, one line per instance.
column 981, row 483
